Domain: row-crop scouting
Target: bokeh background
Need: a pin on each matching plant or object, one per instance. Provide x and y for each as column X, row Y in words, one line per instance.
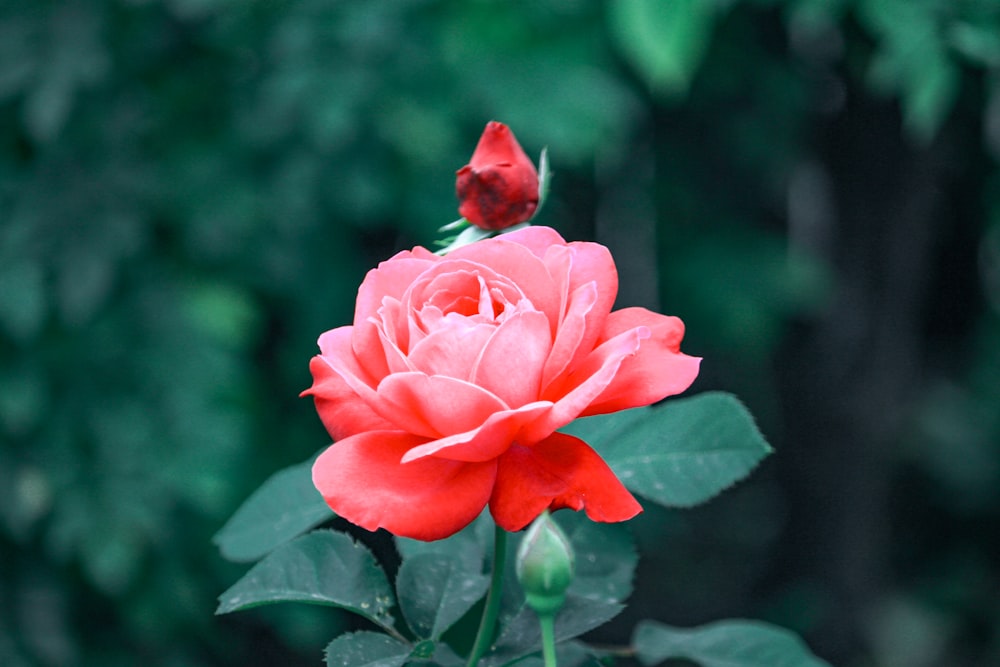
column 191, row 191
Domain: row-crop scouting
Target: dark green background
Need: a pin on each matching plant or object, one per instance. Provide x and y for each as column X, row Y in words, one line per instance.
column 191, row 191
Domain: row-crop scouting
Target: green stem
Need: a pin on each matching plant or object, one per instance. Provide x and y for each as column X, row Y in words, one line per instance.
column 487, row 625
column 548, row 623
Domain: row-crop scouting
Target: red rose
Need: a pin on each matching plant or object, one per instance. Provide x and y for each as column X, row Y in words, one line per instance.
column 499, row 186
column 446, row 393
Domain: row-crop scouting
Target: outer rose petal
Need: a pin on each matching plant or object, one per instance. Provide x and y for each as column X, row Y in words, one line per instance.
column 391, row 278
column 486, row 442
column 584, row 384
column 659, row 369
column 578, row 264
column 570, row 334
column 536, row 239
column 363, row 481
column 561, row 471
column 335, row 351
column 435, row 405
column 343, row 413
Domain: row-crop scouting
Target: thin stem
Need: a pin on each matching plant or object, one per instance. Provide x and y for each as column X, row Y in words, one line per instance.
column 548, row 623
column 487, row 625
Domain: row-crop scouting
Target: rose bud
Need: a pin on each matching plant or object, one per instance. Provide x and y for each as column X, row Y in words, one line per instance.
column 499, row 186
column 545, row 565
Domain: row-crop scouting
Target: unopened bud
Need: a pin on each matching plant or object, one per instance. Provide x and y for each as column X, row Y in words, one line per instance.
column 545, row 565
column 499, row 186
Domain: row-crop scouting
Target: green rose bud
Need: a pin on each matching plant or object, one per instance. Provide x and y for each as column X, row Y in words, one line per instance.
column 545, row 565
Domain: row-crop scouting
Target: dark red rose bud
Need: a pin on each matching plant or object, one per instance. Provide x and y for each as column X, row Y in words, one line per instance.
column 499, row 186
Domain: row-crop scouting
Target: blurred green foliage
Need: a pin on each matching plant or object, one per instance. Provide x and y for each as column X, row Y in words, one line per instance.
column 191, row 190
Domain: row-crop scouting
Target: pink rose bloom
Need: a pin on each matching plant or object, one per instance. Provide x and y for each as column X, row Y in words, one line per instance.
column 445, row 395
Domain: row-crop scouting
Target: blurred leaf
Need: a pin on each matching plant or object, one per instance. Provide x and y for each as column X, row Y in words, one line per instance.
column 723, row 644
column 84, row 281
column 664, row 41
column 112, row 557
column 323, row 567
column 434, row 592
column 605, row 557
column 680, row 453
column 26, row 496
column 979, row 42
column 22, row 298
column 755, row 284
column 74, row 58
column 909, row 632
column 929, row 97
column 366, row 649
column 913, row 61
column 283, row 508
column 223, row 312
column 23, row 397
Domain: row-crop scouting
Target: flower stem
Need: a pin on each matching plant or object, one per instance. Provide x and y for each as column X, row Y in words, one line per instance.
column 548, row 623
column 487, row 625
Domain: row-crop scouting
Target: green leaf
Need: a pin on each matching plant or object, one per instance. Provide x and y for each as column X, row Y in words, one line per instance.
column 374, row 649
column 283, row 508
column 605, row 557
column 680, row 453
column 522, row 636
column 544, row 179
column 435, row 654
column 664, row 41
column 323, row 567
column 366, row 649
column 468, row 546
column 735, row 643
column 465, row 237
column 435, row 591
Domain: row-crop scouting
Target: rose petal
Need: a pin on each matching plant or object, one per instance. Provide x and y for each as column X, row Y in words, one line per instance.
column 659, row 369
column 486, row 442
column 583, row 384
column 536, row 238
column 391, row 278
column 560, row 471
column 434, row 405
column 498, row 195
column 570, row 333
column 452, row 349
column 453, row 288
column 511, row 363
column 336, row 350
column 578, row 264
column 393, row 358
column 361, row 479
column 497, row 145
column 515, row 264
column 342, row 412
